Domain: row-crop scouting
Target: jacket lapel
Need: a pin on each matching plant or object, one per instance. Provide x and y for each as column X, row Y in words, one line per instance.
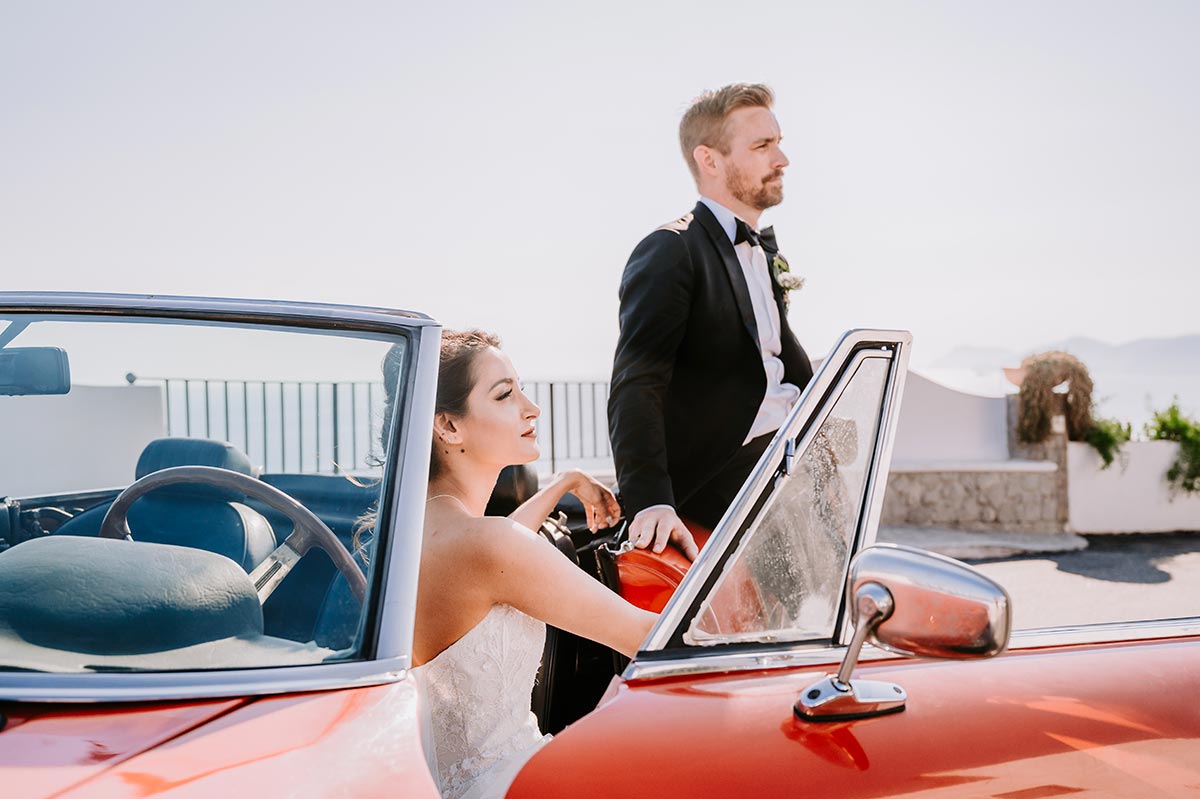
column 737, row 279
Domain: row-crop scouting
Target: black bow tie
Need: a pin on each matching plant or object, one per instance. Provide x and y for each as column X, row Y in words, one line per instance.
column 764, row 238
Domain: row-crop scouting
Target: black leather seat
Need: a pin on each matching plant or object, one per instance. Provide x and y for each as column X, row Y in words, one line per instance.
column 515, row 484
column 560, row 654
column 193, row 514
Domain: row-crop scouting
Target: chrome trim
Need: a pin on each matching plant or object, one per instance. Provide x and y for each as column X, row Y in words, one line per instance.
column 267, row 575
column 223, row 309
column 881, row 462
column 807, row 407
column 815, row 655
column 701, row 662
column 394, row 643
column 1107, row 633
column 167, row 686
column 398, row 611
column 885, row 440
column 830, row 700
column 873, row 603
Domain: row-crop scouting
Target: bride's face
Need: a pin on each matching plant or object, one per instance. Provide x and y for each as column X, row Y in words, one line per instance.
column 498, row 426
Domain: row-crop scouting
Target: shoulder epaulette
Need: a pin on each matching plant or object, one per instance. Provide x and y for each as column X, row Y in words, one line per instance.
column 679, row 225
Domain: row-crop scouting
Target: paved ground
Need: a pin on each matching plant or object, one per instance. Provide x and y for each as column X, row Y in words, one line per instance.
column 974, row 546
column 1115, row 578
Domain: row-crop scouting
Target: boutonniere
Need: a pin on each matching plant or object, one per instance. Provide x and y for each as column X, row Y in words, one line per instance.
column 783, row 275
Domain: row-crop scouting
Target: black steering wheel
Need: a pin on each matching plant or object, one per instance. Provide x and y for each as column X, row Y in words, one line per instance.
column 308, row 530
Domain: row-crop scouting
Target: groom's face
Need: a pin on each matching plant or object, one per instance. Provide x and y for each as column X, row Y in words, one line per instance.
column 753, row 167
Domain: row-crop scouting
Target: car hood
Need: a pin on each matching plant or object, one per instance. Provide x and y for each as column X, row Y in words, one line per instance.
column 1109, row 720
column 46, row 749
column 361, row 741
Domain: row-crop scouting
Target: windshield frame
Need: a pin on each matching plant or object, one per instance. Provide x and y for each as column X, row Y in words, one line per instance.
column 387, row 651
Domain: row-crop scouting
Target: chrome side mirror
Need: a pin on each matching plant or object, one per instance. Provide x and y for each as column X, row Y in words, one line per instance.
column 910, row 602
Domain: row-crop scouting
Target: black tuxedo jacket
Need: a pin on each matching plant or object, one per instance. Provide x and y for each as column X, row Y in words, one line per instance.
column 688, row 375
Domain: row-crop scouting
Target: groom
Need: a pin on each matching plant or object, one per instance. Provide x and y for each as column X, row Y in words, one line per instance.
column 706, row 366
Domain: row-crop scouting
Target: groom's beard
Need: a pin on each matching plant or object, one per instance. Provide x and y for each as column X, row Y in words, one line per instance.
column 760, row 195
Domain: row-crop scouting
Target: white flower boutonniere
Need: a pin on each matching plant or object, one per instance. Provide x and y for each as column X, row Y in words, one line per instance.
column 782, row 273
column 790, row 282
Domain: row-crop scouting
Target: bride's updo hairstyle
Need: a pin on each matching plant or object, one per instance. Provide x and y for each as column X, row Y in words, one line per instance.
column 456, row 377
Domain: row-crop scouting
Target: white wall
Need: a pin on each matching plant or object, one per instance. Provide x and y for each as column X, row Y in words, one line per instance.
column 947, row 426
column 90, row 438
column 1132, row 495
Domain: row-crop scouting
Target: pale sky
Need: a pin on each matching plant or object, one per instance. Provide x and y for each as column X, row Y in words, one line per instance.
column 994, row 174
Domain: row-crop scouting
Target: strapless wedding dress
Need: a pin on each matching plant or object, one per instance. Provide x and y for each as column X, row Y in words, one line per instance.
column 475, row 705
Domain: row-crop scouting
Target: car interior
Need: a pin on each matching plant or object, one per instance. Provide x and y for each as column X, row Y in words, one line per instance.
column 313, row 606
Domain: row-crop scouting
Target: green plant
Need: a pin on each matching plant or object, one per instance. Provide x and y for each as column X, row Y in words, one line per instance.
column 1038, row 403
column 1173, row 425
column 1107, row 436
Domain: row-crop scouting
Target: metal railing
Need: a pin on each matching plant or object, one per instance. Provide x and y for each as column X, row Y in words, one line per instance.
column 328, row 427
column 573, row 427
column 286, row 426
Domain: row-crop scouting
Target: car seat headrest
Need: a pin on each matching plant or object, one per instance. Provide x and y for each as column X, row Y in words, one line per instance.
column 163, row 453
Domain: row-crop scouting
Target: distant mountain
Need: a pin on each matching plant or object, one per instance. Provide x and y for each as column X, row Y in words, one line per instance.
column 1132, row 380
column 1162, row 355
column 977, row 359
column 1157, row 356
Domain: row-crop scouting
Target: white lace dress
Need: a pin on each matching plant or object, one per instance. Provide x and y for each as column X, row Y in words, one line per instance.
column 475, row 703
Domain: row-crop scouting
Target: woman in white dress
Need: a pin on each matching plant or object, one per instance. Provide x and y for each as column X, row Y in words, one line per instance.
column 488, row 585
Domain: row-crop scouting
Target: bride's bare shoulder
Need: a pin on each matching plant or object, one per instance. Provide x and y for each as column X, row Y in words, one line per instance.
column 478, row 535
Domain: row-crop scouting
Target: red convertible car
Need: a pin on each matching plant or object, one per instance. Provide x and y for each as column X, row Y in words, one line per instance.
column 209, row 539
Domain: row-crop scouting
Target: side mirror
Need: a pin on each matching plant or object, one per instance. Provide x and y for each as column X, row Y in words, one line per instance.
column 910, row 602
column 34, row 370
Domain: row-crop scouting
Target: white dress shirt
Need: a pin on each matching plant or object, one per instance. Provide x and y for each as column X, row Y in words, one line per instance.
column 780, row 396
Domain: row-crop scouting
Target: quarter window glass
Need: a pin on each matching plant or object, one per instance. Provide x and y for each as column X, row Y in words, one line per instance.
column 784, row 582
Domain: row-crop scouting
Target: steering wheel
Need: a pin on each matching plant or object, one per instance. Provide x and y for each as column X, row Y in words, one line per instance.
column 308, row 530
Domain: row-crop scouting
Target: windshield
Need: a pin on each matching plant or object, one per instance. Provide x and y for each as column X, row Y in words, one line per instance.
column 182, row 495
column 785, row 581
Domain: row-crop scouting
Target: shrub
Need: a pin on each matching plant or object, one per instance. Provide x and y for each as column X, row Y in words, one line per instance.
column 1172, row 425
column 1107, row 436
column 1038, row 405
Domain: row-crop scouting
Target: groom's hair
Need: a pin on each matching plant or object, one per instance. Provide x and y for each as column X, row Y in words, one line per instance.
column 705, row 121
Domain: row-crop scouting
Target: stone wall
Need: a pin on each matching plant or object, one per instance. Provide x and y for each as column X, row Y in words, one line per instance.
column 1026, row 494
column 986, row 501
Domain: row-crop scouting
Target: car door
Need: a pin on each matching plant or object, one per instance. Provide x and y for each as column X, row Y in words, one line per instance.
column 707, row 708
column 148, row 661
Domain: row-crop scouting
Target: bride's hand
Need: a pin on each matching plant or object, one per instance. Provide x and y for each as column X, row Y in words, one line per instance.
column 599, row 504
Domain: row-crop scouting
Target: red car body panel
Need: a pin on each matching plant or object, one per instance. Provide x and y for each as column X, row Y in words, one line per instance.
column 47, row 748
column 362, row 742
column 1113, row 720
column 648, row 579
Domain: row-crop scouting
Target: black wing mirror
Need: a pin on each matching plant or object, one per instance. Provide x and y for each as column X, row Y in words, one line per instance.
column 910, row 602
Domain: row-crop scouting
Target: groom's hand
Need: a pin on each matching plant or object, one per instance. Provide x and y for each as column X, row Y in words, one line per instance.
column 654, row 527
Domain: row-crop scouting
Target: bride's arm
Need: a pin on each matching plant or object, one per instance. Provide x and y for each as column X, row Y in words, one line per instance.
column 523, row 570
column 598, row 502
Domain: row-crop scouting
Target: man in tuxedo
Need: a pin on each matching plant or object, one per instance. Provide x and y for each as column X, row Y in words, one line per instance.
column 706, row 366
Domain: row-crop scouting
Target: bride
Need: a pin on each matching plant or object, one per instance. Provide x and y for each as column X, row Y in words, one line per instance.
column 488, row 585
